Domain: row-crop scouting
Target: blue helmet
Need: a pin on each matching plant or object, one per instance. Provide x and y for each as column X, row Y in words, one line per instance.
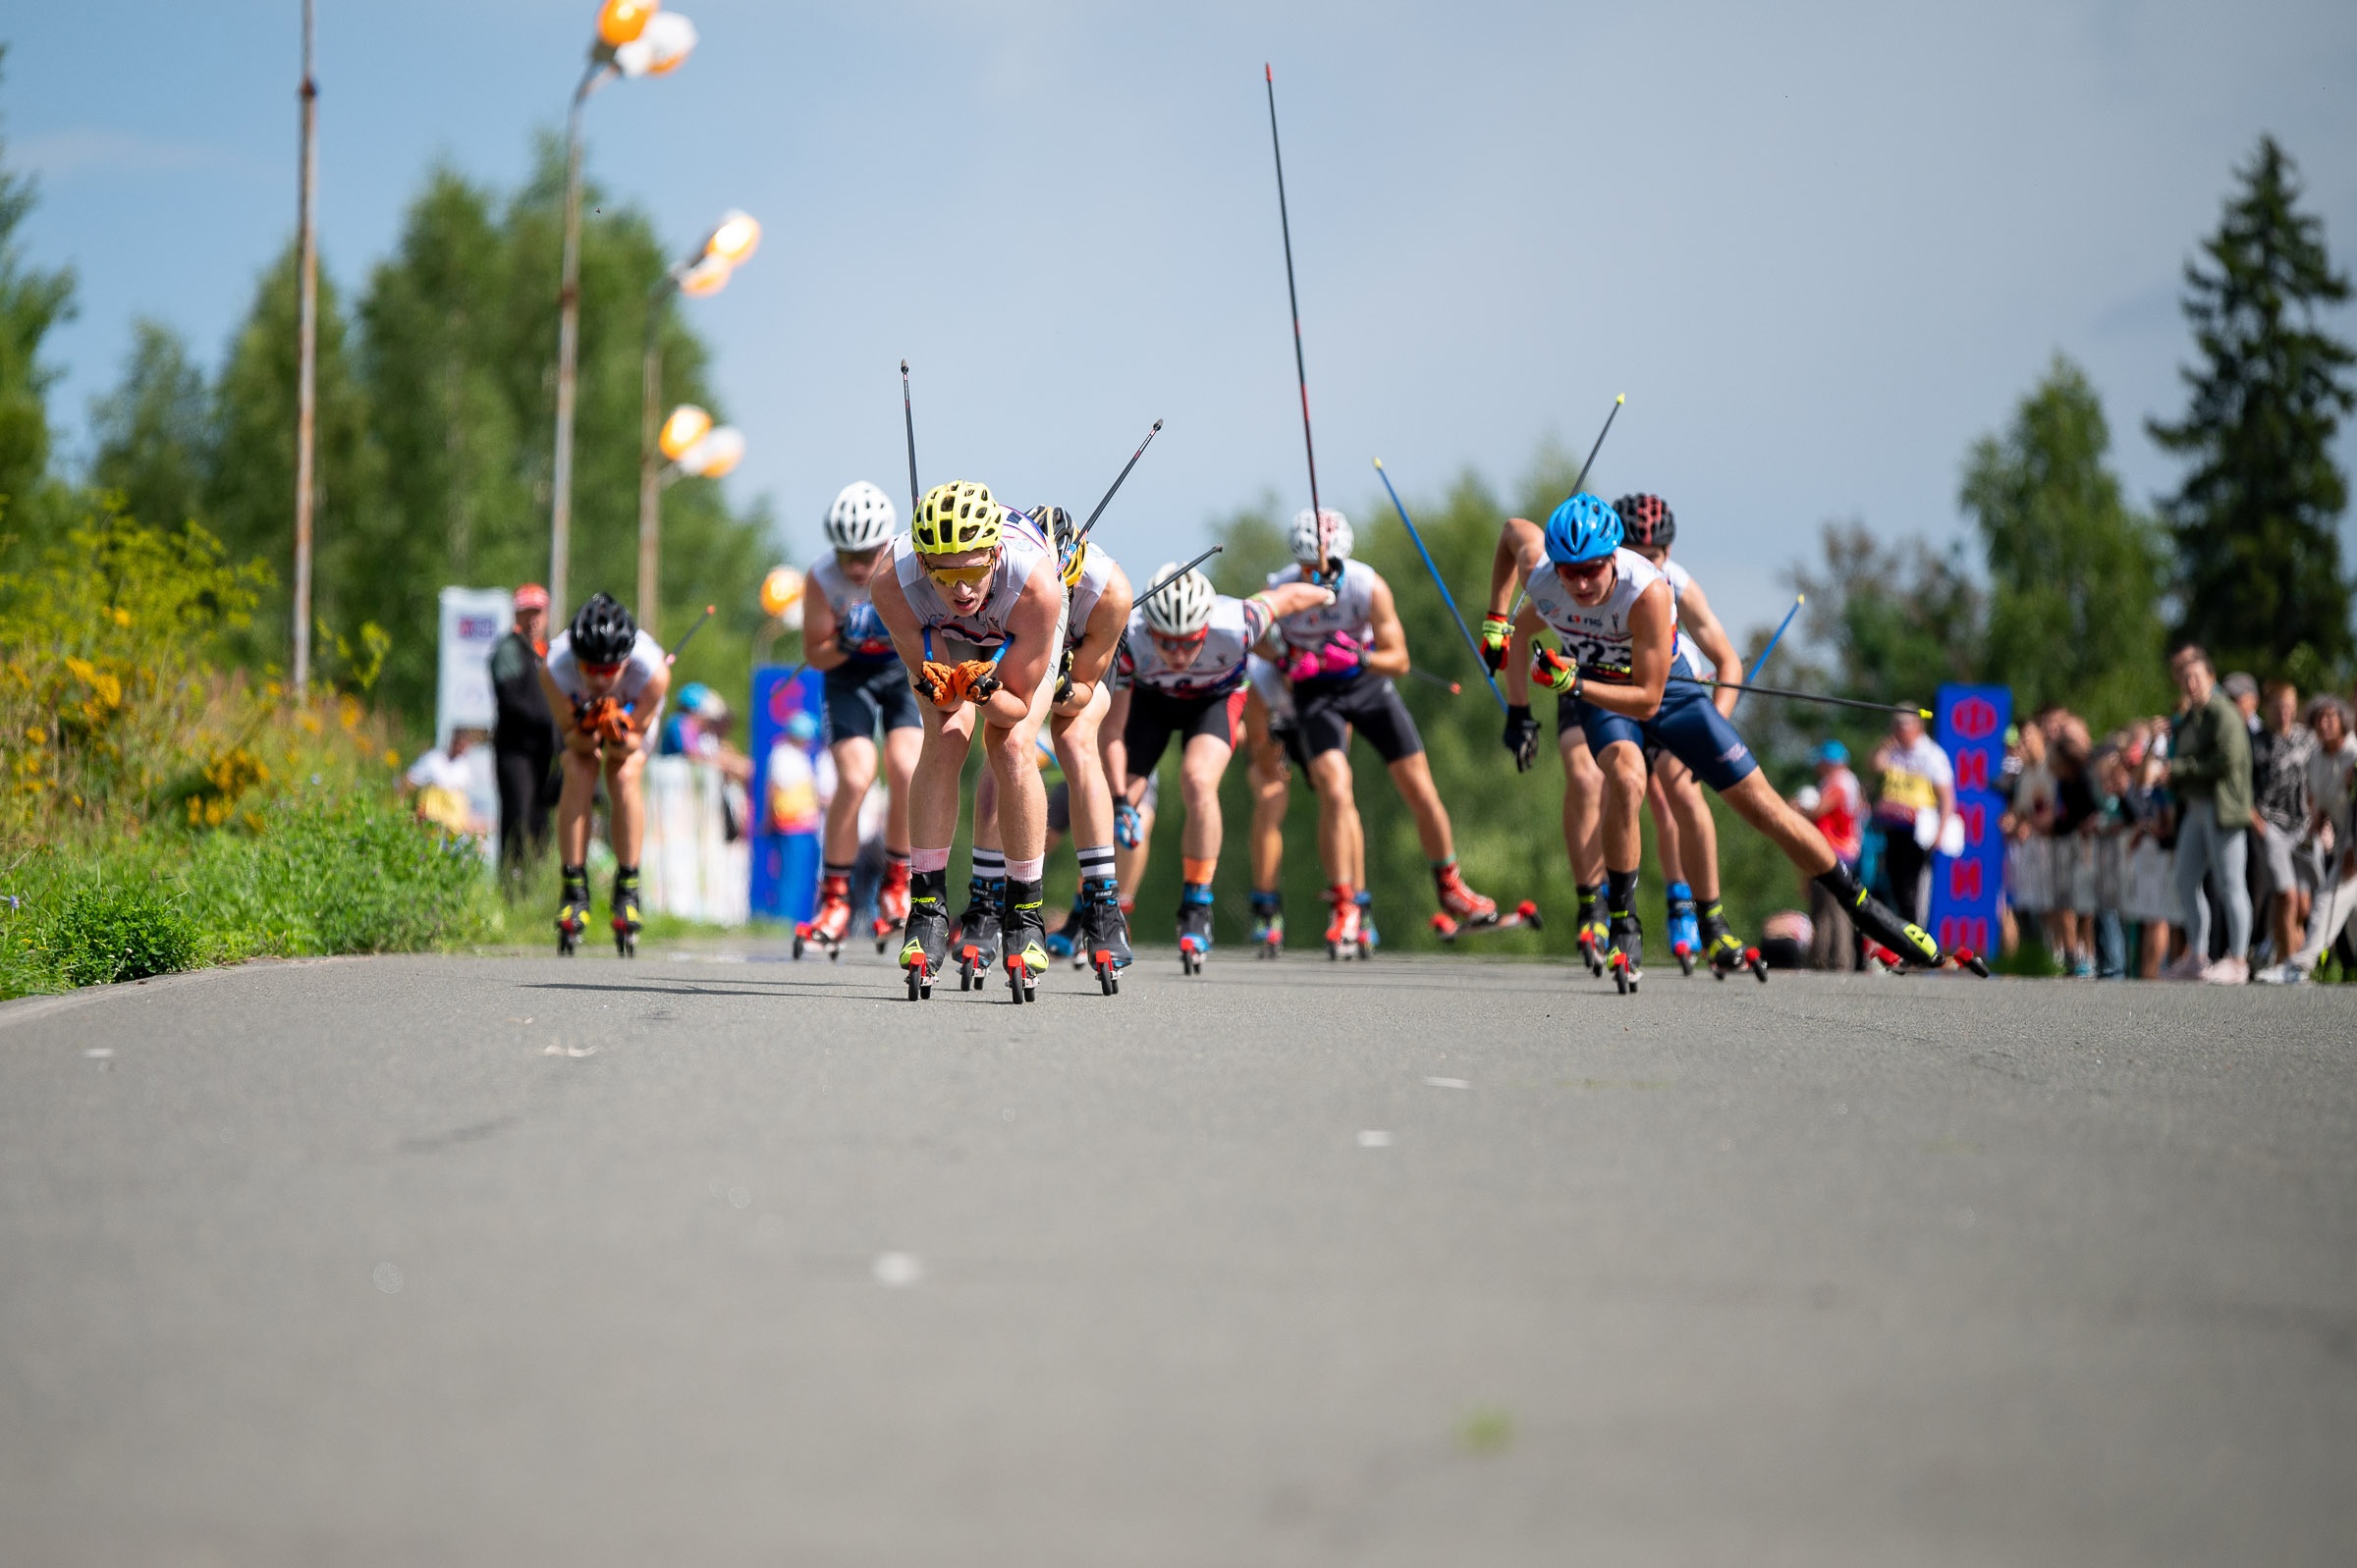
column 1832, row 751
column 1583, row 528
column 693, row 696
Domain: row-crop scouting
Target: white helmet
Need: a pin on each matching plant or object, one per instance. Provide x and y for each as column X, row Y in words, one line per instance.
column 1181, row 611
column 861, row 517
column 1307, row 525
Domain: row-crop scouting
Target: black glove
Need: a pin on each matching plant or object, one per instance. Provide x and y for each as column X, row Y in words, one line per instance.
column 1522, row 738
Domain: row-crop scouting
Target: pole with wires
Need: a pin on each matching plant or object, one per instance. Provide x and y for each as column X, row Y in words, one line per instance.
column 908, row 419
column 1443, row 583
column 1294, row 298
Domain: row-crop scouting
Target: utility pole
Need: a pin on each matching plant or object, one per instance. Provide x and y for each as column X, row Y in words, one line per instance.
column 568, row 341
column 307, row 370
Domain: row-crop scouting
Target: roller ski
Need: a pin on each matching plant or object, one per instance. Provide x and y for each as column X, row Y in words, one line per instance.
column 1194, row 928
column 1369, row 938
column 1025, row 934
column 925, row 937
column 1726, row 953
column 1345, row 931
column 978, row 931
column 891, row 902
column 1897, row 943
column 1685, row 931
column 1267, row 924
column 830, row 923
column 1626, row 957
column 1594, row 936
column 1070, row 941
column 1105, row 934
column 1522, row 914
column 626, row 923
column 572, row 913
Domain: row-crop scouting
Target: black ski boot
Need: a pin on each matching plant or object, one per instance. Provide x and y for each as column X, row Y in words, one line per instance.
column 624, row 903
column 572, row 910
column 1881, row 925
column 1626, row 959
column 978, row 931
column 1027, row 939
column 1726, row 954
column 1105, row 934
column 925, row 944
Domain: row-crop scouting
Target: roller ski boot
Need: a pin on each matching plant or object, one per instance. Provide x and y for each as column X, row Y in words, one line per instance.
column 1472, row 911
column 1595, row 936
column 1105, row 934
column 1027, row 941
column 1626, row 957
column 891, row 902
column 1347, row 926
column 1685, row 931
column 1267, row 924
column 926, row 935
column 978, row 931
column 830, row 923
column 1072, row 941
column 1369, row 938
column 572, row 911
column 1194, row 927
column 1724, row 951
column 626, row 923
column 1881, row 925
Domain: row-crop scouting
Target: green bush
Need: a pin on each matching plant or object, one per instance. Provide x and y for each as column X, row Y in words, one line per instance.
column 120, row 930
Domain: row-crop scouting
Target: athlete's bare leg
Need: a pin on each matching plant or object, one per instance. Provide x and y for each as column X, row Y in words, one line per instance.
column 1076, row 739
column 1583, row 798
column 1200, row 770
column 1624, row 768
column 901, row 748
column 1693, row 831
column 855, row 774
column 1413, row 775
column 1667, row 844
column 1340, row 850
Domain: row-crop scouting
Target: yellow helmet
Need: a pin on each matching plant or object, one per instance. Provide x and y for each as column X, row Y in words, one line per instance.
column 955, row 517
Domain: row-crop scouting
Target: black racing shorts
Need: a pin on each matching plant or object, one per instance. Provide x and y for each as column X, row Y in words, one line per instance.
column 862, row 693
column 1366, row 702
column 1155, row 717
column 1288, row 733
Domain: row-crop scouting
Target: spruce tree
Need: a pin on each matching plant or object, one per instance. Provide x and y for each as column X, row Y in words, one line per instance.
column 2254, row 523
column 154, row 430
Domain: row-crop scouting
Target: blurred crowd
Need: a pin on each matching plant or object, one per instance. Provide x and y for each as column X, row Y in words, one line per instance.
column 2212, row 842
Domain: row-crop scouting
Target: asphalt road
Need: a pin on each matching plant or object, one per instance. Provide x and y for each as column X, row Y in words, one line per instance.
column 520, row 1260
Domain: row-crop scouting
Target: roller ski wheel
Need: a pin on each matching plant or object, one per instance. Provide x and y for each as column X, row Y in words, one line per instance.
column 1522, row 914
column 1625, row 958
column 573, row 918
column 978, row 941
column 1268, row 937
column 626, row 923
column 1194, row 937
column 1594, row 940
column 883, row 931
column 1343, row 933
column 1626, row 974
column 1686, row 959
column 892, row 905
column 1109, row 974
column 1966, row 958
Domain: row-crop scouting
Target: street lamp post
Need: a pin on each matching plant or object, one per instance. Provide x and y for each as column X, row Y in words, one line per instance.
column 712, row 453
column 634, row 39
column 306, row 364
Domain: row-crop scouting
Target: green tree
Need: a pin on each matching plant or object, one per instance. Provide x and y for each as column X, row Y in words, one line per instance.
column 251, row 492
column 32, row 302
column 154, row 430
column 2259, row 558
column 2074, row 576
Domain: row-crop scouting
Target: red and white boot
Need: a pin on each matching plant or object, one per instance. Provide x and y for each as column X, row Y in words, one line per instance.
column 830, row 923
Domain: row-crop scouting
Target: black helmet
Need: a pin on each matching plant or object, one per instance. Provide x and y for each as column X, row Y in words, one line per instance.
column 603, row 634
column 1648, row 521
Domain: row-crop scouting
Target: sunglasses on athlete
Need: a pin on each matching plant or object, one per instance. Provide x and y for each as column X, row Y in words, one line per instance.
column 971, row 576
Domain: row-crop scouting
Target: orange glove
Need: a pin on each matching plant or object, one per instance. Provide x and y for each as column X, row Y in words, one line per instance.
column 606, row 719
column 974, row 681
column 1552, row 670
column 936, row 682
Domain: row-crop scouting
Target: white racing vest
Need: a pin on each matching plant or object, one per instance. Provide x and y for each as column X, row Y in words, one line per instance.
column 1080, row 599
column 1352, row 610
column 859, row 630
column 1021, row 549
column 645, row 662
column 1219, row 669
column 1680, row 579
column 1598, row 637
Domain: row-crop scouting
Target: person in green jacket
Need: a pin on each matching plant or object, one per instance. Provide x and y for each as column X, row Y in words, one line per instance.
column 2210, row 772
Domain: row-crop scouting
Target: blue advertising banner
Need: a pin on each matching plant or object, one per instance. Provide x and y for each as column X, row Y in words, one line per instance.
column 1965, row 888
column 786, row 733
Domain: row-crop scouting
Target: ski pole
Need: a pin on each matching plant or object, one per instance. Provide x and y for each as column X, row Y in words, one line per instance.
column 1446, row 597
column 1171, row 580
column 1808, row 697
column 1294, row 298
column 1083, row 535
column 1580, row 478
column 680, row 646
column 1441, row 682
column 1761, row 663
column 908, row 418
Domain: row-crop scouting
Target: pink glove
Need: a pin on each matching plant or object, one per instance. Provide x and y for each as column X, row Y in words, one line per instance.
column 1341, row 655
column 1301, row 665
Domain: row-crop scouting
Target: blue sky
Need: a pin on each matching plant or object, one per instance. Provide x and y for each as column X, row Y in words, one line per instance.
column 1821, row 247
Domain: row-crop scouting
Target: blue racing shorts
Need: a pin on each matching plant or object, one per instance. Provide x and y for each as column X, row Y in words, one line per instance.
column 862, row 693
column 1687, row 725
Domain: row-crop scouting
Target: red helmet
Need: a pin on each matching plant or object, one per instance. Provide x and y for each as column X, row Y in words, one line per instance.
column 532, row 596
column 1647, row 521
